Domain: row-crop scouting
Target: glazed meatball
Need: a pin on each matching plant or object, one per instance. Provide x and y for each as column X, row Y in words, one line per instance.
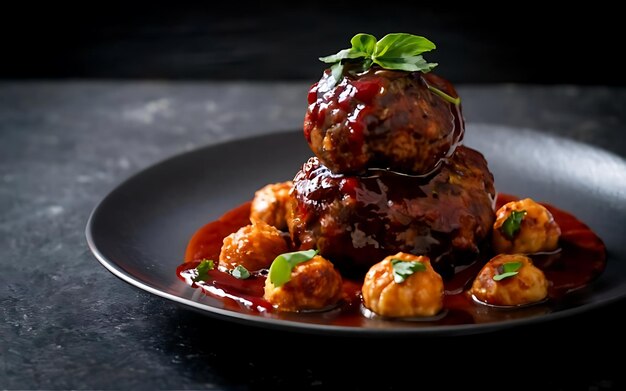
column 357, row 221
column 534, row 231
column 527, row 285
column 420, row 294
column 314, row 285
column 254, row 247
column 382, row 119
column 269, row 204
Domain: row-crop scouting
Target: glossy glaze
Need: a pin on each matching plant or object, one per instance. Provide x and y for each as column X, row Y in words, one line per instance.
column 382, row 119
column 358, row 221
column 580, row 259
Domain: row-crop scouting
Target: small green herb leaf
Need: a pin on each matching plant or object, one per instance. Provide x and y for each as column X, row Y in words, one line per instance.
column 511, row 266
column 400, row 45
column 512, row 223
column 240, row 272
column 502, row 276
column 509, row 269
column 343, row 55
column 337, row 71
column 403, row 269
column 399, row 51
column 280, row 269
column 410, row 64
column 203, row 268
column 365, row 43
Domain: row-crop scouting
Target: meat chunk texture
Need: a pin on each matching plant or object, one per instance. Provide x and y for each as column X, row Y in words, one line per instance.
column 357, row 221
column 528, row 285
column 382, row 119
column 314, row 285
column 419, row 295
column 253, row 246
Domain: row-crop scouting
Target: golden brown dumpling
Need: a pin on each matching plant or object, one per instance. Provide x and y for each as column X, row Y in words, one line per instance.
column 314, row 285
column 420, row 294
column 527, row 285
column 254, row 246
column 537, row 229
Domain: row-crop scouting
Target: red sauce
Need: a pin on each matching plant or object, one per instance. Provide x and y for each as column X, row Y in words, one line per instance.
column 358, row 108
column 207, row 241
column 580, row 259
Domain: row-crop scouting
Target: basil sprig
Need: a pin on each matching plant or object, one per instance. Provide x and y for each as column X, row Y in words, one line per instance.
column 509, row 269
column 397, row 51
column 280, row 270
column 404, row 269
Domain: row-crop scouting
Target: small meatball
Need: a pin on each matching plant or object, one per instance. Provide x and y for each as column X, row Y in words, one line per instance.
column 529, row 285
column 420, row 294
column 269, row 204
column 314, row 285
column 254, row 246
column 537, row 230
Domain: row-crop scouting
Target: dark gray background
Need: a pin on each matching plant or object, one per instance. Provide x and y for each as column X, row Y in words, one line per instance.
column 510, row 42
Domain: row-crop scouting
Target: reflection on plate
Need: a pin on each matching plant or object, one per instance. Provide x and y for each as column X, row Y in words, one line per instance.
column 140, row 230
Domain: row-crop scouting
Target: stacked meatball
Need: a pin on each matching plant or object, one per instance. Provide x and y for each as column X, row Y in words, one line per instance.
column 389, row 174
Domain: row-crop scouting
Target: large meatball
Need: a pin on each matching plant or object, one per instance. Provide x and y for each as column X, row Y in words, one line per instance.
column 314, row 285
column 382, row 119
column 525, row 283
column 525, row 227
column 254, row 246
column 419, row 294
column 357, row 221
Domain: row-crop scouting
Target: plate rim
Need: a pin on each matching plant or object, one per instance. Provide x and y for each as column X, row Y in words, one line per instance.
column 314, row 328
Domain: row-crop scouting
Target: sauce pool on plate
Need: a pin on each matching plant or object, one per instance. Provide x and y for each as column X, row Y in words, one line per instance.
column 580, row 259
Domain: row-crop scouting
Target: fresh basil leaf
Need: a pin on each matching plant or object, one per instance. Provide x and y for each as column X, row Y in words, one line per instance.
column 343, row 55
column 280, row 269
column 511, row 266
column 202, row 269
column 403, row 269
column 398, row 45
column 410, row 64
column 337, row 61
column 509, row 269
column 297, row 257
column 240, row 272
column 512, row 224
column 397, row 51
column 336, row 71
column 365, row 43
column 499, row 277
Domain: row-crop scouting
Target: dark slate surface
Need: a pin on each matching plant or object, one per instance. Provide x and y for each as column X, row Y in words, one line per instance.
column 67, row 323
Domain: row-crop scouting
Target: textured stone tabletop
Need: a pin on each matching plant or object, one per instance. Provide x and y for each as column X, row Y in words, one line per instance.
column 67, row 323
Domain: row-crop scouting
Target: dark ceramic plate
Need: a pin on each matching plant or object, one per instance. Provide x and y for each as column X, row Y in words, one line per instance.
column 140, row 230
